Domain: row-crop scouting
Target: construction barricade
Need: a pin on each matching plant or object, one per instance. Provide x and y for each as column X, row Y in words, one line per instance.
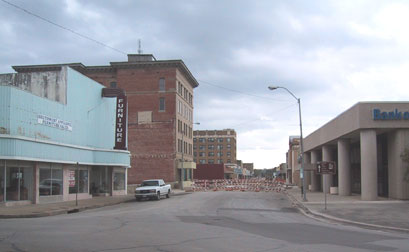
column 243, row 185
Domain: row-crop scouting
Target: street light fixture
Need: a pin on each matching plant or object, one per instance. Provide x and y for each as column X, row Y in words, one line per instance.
column 182, row 170
column 302, row 177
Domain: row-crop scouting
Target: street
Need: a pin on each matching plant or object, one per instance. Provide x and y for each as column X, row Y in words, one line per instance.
column 201, row 221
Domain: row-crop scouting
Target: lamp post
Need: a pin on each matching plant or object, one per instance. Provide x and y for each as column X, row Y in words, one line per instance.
column 303, row 182
column 182, row 170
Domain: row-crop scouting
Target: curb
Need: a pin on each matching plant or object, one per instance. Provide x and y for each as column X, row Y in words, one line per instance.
column 70, row 210
column 319, row 216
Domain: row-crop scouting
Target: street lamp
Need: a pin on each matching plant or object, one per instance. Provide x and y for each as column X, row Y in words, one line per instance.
column 182, row 170
column 303, row 187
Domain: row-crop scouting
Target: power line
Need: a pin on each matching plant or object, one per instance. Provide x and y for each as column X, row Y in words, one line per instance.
column 237, row 91
column 255, row 120
column 62, row 27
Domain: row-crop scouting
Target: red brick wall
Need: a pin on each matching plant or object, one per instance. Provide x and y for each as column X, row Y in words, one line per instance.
column 209, row 171
column 152, row 146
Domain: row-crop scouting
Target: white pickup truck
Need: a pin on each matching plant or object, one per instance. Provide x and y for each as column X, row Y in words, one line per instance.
column 152, row 189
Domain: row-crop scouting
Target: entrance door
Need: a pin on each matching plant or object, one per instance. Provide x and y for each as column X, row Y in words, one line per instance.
column 19, row 181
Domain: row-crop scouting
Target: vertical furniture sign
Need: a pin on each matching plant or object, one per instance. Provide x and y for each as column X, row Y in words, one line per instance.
column 121, row 113
column 121, row 122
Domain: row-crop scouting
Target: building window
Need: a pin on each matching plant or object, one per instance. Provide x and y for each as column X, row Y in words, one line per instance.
column 78, row 179
column 51, row 181
column 220, row 147
column 210, row 161
column 228, row 161
column 113, row 84
column 194, row 147
column 220, row 140
column 162, row 84
column 228, row 146
column 210, row 147
column 161, row 104
column 211, row 154
column 211, row 139
column 228, row 154
column 180, row 87
column 202, row 147
column 195, row 154
column 202, row 154
column 228, row 140
column 202, row 161
column 16, row 178
column 220, row 154
column 119, row 181
column 201, row 140
column 219, row 161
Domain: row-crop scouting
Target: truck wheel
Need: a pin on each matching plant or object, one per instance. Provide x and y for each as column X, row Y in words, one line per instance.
column 168, row 194
column 158, row 196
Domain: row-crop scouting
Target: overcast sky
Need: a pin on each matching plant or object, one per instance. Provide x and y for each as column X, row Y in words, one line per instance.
column 330, row 54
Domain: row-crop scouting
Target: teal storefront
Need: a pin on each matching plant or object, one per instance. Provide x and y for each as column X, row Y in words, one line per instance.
column 57, row 138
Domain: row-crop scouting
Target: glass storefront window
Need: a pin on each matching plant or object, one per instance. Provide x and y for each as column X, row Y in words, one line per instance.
column 81, row 176
column 51, row 180
column 119, row 181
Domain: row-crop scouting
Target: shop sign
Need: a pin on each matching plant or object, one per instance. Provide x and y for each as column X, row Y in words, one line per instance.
column 54, row 122
column 120, row 129
column 390, row 115
column 71, row 178
column 121, row 115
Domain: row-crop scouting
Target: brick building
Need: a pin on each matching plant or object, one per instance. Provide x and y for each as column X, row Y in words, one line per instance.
column 293, row 164
column 215, row 146
column 160, row 113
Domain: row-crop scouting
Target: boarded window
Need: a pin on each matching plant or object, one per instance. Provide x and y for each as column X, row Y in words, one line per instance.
column 162, row 84
column 161, row 104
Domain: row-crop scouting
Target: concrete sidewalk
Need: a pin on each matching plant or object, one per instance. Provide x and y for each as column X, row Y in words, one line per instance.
column 49, row 209
column 383, row 214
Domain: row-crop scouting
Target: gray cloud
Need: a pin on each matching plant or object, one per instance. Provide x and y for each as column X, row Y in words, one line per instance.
column 331, row 54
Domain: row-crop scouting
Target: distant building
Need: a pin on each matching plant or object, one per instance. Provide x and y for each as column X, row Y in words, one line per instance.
column 58, row 137
column 160, row 113
column 293, row 164
column 214, row 146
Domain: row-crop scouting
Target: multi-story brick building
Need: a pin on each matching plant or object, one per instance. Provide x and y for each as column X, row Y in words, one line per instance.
column 215, row 146
column 160, row 113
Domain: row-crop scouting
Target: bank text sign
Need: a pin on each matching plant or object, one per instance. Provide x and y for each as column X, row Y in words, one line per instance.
column 395, row 114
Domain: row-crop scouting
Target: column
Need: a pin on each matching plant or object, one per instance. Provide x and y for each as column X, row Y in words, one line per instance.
column 344, row 167
column 307, row 169
column 369, row 169
column 327, row 156
column 314, row 176
column 397, row 168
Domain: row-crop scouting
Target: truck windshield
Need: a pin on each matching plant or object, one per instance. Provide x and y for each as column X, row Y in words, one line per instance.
column 150, row 183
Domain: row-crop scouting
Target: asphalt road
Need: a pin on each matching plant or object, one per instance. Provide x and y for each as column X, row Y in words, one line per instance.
column 202, row 221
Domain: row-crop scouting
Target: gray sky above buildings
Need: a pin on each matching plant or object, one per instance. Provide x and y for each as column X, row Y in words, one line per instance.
column 331, row 54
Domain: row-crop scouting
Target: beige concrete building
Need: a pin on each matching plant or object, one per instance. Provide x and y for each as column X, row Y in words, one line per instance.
column 214, row 146
column 366, row 142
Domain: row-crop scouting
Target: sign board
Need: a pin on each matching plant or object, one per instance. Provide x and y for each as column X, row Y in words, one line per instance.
column 71, row 178
column 325, row 167
column 54, row 122
column 121, row 123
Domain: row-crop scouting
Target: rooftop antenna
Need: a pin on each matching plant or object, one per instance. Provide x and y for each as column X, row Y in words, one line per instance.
column 139, row 47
